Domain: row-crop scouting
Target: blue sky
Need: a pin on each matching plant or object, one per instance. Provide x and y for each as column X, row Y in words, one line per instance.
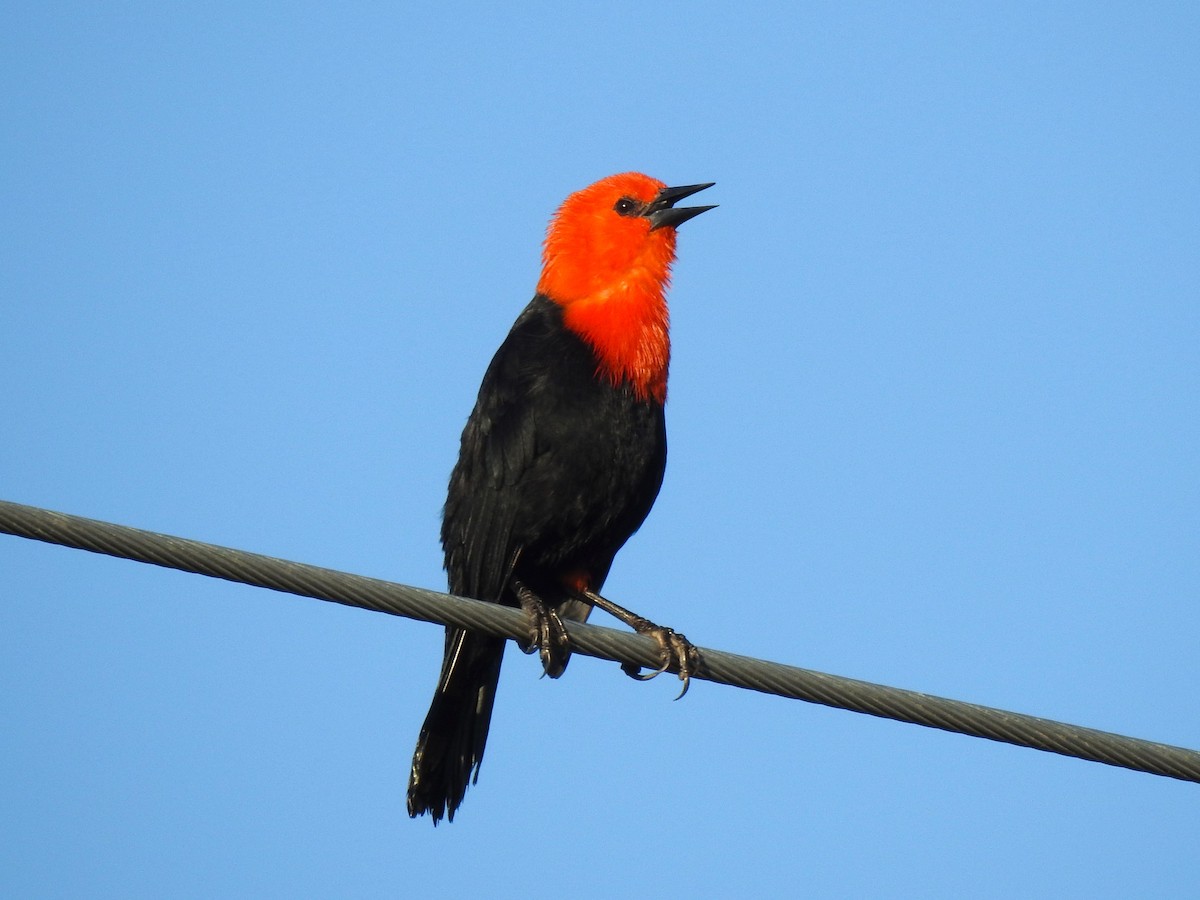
column 934, row 419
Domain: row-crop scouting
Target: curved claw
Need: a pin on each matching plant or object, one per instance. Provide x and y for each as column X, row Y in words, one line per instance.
column 674, row 649
column 636, row 671
column 688, row 657
column 547, row 635
column 554, row 647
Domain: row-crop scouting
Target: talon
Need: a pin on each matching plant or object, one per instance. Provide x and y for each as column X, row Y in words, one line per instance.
column 547, row 633
column 674, row 649
column 636, row 671
column 689, row 661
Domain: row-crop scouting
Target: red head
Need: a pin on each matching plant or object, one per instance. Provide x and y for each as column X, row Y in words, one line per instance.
column 607, row 263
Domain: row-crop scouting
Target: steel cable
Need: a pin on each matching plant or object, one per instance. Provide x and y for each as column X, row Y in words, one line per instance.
column 605, row 643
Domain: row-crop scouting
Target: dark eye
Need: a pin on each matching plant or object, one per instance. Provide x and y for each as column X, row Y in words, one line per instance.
column 626, row 206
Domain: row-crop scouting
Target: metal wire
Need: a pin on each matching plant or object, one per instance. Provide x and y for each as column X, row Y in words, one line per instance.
column 606, row 643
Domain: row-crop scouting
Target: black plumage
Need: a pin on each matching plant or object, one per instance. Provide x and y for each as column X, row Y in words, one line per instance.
column 558, row 466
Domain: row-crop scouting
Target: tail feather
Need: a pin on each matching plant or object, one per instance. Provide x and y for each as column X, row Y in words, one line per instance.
column 450, row 746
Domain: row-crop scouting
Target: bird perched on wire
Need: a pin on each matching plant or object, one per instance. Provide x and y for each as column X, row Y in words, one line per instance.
column 560, row 462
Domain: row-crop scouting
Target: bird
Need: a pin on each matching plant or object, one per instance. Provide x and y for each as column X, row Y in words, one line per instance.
column 560, row 461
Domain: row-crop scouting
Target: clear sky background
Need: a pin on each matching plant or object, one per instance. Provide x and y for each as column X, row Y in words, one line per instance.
column 934, row 422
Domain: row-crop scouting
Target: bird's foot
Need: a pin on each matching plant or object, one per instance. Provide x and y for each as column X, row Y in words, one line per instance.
column 547, row 634
column 675, row 650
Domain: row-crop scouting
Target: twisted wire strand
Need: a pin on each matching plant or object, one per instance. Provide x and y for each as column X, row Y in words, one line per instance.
column 605, row 643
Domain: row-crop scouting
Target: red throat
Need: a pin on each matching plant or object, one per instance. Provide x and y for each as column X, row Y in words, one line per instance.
column 609, row 273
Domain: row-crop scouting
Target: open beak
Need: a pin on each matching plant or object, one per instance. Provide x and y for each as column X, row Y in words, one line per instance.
column 662, row 212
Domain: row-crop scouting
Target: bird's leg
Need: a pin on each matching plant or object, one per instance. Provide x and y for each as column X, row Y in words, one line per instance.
column 674, row 649
column 546, row 632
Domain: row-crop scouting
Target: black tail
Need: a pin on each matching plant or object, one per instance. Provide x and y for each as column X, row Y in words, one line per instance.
column 450, row 747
